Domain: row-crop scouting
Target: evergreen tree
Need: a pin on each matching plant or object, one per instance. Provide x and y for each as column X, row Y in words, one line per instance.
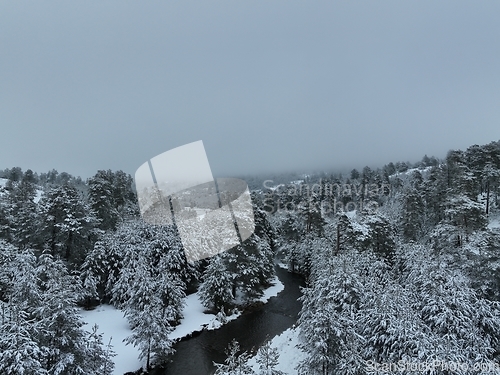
column 412, row 215
column 310, row 210
column 102, row 199
column 254, row 265
column 20, row 353
column 268, row 359
column 216, row 291
column 99, row 355
column 67, row 224
column 381, row 235
column 328, row 316
column 235, row 364
column 20, row 213
column 58, row 321
column 148, row 316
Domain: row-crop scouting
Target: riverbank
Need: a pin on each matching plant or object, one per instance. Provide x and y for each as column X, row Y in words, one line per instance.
column 114, row 326
column 196, row 355
column 290, row 355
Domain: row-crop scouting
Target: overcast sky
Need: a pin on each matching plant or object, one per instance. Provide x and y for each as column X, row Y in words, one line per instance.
column 268, row 85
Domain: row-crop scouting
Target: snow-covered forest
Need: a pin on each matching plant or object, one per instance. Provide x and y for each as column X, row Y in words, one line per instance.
column 408, row 277
column 67, row 244
column 401, row 262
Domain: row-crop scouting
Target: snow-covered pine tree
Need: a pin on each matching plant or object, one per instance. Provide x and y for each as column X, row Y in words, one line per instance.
column 449, row 307
column 22, row 212
column 101, row 198
column 166, row 248
column 413, row 208
column 318, row 338
column 310, row 210
column 20, row 353
column 381, row 236
column 171, row 290
column 329, row 311
column 234, row 364
column 101, row 268
column 267, row 359
column 149, row 288
column 58, row 323
column 255, row 267
column 216, row 289
column 67, row 224
column 466, row 214
column 100, row 356
column 145, row 311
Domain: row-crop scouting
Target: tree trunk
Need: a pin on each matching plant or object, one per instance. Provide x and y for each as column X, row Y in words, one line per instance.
column 68, row 246
column 53, row 239
column 487, row 197
column 338, row 240
column 148, row 367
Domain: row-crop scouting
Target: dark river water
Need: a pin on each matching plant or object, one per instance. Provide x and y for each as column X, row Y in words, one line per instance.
column 194, row 356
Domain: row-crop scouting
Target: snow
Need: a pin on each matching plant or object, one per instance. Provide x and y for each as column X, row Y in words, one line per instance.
column 38, row 195
column 360, row 228
column 273, row 290
column 3, row 181
column 201, row 212
column 282, row 265
column 195, row 319
column 274, row 188
column 409, row 171
column 351, row 214
column 494, row 223
column 290, row 355
column 113, row 324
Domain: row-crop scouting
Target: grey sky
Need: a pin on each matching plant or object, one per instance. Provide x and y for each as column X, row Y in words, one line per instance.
column 268, row 85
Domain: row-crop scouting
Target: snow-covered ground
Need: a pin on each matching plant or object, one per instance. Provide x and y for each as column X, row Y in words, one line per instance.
column 195, row 319
column 290, row 355
column 113, row 324
column 494, row 223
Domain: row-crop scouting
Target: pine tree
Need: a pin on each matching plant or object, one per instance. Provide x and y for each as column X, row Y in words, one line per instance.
column 318, row 338
column 99, row 355
column 20, row 353
column 21, row 212
column 67, row 224
column 101, row 268
column 216, row 289
column 381, row 237
column 146, row 312
column 328, row 315
column 413, row 214
column 255, row 266
column 461, row 323
column 310, row 210
column 234, row 364
column 392, row 328
column 267, row 359
column 102, row 200
column 58, row 320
